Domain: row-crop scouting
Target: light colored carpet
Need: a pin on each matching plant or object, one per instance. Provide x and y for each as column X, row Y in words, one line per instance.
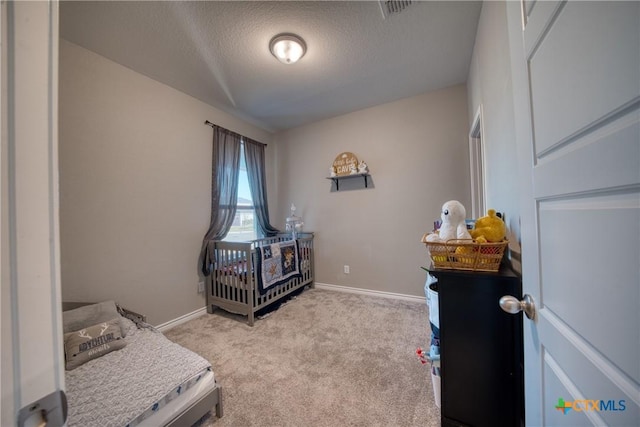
column 325, row 359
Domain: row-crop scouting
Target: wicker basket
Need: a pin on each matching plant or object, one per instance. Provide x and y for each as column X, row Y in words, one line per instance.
column 466, row 255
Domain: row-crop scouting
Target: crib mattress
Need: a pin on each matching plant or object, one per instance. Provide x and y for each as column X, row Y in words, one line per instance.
column 124, row 387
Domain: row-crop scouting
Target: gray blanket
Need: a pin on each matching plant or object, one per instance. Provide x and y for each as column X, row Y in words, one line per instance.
column 125, row 386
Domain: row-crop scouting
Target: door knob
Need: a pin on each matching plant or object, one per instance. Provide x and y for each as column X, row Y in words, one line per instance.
column 513, row 306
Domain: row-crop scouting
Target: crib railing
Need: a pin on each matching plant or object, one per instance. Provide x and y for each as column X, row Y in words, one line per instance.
column 233, row 282
column 232, row 272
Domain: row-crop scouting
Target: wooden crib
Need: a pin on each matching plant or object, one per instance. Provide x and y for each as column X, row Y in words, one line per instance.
column 233, row 282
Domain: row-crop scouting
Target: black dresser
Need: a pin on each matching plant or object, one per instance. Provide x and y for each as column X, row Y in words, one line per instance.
column 481, row 349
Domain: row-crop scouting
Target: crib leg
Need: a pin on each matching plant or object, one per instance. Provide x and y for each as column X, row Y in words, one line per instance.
column 250, row 318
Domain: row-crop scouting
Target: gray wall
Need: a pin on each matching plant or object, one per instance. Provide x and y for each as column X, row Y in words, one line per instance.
column 417, row 152
column 489, row 87
column 135, row 161
column 135, row 180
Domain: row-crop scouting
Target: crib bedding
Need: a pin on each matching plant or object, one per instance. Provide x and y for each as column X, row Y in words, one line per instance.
column 237, row 284
column 124, row 387
column 276, row 263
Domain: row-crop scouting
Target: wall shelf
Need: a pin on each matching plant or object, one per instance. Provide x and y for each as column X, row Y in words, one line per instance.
column 337, row 179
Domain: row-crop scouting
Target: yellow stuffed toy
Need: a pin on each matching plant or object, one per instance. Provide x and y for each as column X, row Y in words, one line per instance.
column 490, row 228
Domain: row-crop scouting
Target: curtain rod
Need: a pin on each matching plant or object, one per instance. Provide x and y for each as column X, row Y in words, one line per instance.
column 208, row 123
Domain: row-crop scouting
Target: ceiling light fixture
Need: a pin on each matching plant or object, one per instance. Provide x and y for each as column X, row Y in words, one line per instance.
column 288, row 48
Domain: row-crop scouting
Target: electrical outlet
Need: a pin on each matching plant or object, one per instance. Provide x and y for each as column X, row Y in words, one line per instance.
column 347, row 270
column 200, row 287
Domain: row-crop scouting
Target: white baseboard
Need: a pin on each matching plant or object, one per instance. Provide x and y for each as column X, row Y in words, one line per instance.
column 338, row 288
column 202, row 311
column 182, row 319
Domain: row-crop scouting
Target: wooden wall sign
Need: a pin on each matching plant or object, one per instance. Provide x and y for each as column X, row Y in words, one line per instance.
column 343, row 162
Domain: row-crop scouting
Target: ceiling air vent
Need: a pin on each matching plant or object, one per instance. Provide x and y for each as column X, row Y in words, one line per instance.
column 393, row 7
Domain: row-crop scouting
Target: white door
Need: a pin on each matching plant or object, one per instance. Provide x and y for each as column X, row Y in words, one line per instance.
column 576, row 79
column 32, row 355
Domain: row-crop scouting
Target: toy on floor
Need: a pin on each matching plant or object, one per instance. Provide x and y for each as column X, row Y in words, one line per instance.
column 433, row 355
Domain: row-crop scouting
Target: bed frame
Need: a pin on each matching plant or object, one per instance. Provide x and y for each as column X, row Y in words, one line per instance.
column 238, row 293
column 200, row 408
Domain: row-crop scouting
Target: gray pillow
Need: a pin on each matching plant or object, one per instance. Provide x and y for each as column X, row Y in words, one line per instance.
column 90, row 343
column 89, row 315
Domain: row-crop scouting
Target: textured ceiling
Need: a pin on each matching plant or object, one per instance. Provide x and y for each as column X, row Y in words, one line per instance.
column 218, row 51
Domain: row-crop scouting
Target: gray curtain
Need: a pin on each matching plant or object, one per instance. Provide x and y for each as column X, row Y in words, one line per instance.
column 254, row 156
column 224, row 191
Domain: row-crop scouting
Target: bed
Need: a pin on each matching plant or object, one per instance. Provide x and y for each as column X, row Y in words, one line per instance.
column 129, row 374
column 242, row 279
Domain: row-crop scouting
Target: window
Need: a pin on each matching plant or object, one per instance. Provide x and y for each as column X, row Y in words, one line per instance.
column 244, row 227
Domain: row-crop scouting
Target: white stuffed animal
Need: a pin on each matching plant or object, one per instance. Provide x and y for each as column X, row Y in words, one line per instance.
column 453, row 224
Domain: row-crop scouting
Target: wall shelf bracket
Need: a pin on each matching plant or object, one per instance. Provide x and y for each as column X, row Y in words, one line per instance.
column 337, row 179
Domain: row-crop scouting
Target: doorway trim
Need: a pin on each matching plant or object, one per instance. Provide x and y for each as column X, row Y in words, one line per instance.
column 477, row 165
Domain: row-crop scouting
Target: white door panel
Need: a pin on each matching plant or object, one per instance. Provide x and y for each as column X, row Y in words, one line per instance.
column 590, row 159
column 576, row 79
column 557, row 382
column 582, row 62
column 537, row 23
column 586, row 374
column 584, row 276
column 528, row 5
